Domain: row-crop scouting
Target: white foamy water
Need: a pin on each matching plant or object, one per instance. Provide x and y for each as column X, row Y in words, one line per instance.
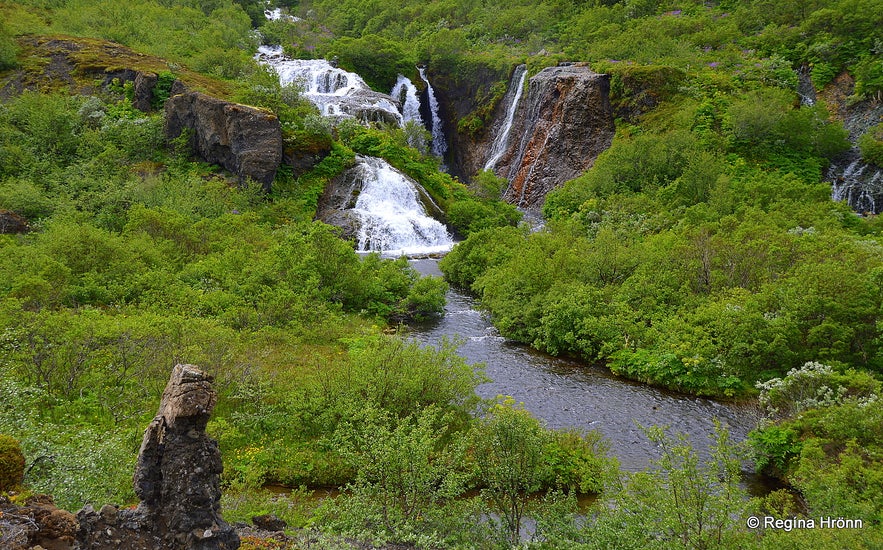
column 405, row 91
column 393, row 219
column 334, row 91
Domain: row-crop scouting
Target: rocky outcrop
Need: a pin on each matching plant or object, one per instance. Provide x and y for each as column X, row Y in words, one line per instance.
column 564, row 123
column 858, row 183
column 177, row 479
column 10, row 222
column 86, row 66
column 245, row 140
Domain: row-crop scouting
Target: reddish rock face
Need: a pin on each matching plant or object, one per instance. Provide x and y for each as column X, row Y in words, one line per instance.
column 564, row 123
column 245, row 140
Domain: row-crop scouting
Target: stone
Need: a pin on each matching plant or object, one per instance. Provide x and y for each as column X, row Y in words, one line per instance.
column 177, row 479
column 10, row 222
column 39, row 523
column 245, row 140
column 269, row 522
column 565, row 121
column 143, row 91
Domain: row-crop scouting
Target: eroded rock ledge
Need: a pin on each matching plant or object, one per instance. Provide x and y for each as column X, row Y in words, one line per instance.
column 245, row 140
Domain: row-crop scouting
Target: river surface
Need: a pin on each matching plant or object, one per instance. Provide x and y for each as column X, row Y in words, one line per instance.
column 567, row 394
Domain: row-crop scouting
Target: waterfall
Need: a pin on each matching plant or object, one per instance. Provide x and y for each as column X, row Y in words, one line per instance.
column 513, row 95
column 857, row 183
column 391, row 215
column 277, row 15
column 805, row 88
column 439, row 147
column 405, row 91
column 334, row 91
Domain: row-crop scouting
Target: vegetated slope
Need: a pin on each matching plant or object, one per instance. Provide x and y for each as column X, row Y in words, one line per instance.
column 701, row 252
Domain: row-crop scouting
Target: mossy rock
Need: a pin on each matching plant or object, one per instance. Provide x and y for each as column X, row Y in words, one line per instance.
column 12, row 463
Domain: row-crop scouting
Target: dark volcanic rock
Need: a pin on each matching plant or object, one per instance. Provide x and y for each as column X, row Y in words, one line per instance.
column 564, row 124
column 177, row 479
column 10, row 222
column 245, row 140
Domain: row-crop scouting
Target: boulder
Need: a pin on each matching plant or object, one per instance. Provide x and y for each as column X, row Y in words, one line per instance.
column 10, row 222
column 177, row 479
column 245, row 140
column 38, row 523
column 564, row 123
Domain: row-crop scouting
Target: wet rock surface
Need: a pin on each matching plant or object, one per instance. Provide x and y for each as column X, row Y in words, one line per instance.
column 245, row 140
column 564, row 124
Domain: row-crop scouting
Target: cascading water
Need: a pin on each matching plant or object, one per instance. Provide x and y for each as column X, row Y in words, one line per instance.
column 859, row 184
column 439, row 145
column 405, row 91
column 391, row 215
column 336, row 92
column 513, row 95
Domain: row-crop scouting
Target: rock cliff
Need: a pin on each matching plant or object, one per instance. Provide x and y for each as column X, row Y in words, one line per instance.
column 245, row 140
column 564, row 123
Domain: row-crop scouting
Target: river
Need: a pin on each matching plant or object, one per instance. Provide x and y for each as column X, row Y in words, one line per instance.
column 568, row 394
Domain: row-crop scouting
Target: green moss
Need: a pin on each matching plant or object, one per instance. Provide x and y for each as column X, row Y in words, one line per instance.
column 90, row 59
column 12, row 463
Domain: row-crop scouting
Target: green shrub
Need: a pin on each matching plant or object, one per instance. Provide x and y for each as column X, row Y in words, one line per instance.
column 871, row 145
column 12, row 463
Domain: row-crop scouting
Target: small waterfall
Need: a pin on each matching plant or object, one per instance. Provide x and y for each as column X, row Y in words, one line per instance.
column 805, row 88
column 405, row 91
column 276, row 15
column 857, row 183
column 392, row 217
column 335, row 91
column 513, row 95
column 439, row 146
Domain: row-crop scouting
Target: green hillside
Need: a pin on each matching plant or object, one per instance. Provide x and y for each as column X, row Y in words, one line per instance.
column 701, row 253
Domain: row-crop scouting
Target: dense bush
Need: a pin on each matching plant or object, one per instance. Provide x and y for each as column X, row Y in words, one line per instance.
column 12, row 463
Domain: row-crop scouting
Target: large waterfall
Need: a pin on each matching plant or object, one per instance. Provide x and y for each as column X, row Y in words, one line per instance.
column 387, row 206
column 439, row 145
column 391, row 215
column 513, row 95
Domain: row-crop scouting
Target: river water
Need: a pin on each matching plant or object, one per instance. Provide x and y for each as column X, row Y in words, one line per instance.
column 568, row 394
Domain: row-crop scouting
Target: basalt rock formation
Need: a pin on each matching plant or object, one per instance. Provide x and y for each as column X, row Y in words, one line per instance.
column 245, row 140
column 565, row 122
column 177, row 479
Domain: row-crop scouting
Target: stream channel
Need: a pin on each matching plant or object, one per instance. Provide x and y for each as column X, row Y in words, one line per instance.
column 564, row 393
